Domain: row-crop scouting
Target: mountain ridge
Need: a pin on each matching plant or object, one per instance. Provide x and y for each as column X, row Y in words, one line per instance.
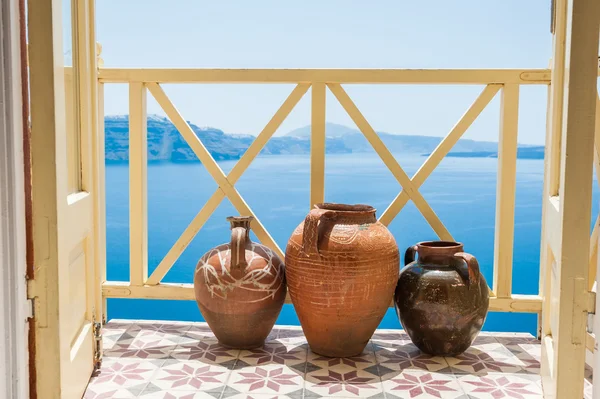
column 165, row 144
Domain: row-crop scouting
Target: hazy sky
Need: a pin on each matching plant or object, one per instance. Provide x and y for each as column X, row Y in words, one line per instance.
column 328, row 34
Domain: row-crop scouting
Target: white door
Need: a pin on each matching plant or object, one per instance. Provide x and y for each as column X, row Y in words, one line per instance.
column 567, row 197
column 65, row 200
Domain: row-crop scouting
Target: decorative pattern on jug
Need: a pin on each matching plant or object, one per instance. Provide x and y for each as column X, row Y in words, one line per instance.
column 266, row 281
column 343, row 233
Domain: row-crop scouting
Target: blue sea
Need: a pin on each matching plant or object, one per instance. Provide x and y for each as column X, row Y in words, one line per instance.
column 462, row 191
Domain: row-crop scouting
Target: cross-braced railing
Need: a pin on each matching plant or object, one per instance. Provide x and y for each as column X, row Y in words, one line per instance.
column 319, row 81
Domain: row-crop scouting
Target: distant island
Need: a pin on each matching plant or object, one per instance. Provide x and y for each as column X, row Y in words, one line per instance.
column 529, row 152
column 165, row 144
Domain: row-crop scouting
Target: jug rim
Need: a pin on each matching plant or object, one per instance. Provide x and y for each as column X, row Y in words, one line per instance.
column 440, row 244
column 346, row 208
column 239, row 218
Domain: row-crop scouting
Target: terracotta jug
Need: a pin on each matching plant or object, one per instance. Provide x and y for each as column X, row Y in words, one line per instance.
column 342, row 267
column 442, row 298
column 240, row 288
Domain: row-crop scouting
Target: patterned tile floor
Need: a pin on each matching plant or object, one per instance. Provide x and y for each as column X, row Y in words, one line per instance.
column 150, row 359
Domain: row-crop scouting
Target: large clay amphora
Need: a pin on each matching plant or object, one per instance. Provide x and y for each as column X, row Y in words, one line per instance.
column 342, row 267
column 442, row 298
column 240, row 288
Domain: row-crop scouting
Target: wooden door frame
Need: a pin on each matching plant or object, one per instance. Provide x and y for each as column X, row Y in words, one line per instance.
column 51, row 209
column 567, row 197
column 14, row 374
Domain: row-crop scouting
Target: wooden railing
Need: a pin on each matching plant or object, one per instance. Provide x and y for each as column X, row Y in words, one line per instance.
column 140, row 81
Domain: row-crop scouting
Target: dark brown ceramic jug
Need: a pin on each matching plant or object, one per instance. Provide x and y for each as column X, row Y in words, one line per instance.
column 442, row 298
column 342, row 267
column 240, row 288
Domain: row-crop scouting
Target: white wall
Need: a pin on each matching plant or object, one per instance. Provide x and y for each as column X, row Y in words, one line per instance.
column 14, row 373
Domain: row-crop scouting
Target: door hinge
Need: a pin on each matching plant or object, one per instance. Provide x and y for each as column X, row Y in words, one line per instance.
column 30, row 288
column 98, row 344
column 30, row 306
column 30, row 309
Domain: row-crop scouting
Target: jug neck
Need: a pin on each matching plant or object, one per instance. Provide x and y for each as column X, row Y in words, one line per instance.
column 240, row 239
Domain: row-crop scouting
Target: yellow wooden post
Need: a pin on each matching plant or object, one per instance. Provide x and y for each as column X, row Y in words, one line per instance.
column 545, row 255
column 72, row 131
column 138, row 184
column 596, row 230
column 63, row 286
column 552, row 162
column 47, row 127
column 100, row 201
column 317, row 144
column 92, row 149
column 505, row 191
column 100, row 197
column 592, row 341
column 567, row 216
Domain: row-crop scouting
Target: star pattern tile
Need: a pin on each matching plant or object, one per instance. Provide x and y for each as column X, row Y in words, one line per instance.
column 177, row 360
column 423, row 384
column 353, row 383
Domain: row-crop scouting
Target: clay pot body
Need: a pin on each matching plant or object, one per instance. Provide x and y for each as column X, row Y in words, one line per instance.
column 240, row 288
column 341, row 267
column 442, row 299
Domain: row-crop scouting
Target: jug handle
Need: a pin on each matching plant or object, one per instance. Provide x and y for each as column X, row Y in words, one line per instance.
column 473, row 266
column 310, row 235
column 238, row 248
column 410, row 254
